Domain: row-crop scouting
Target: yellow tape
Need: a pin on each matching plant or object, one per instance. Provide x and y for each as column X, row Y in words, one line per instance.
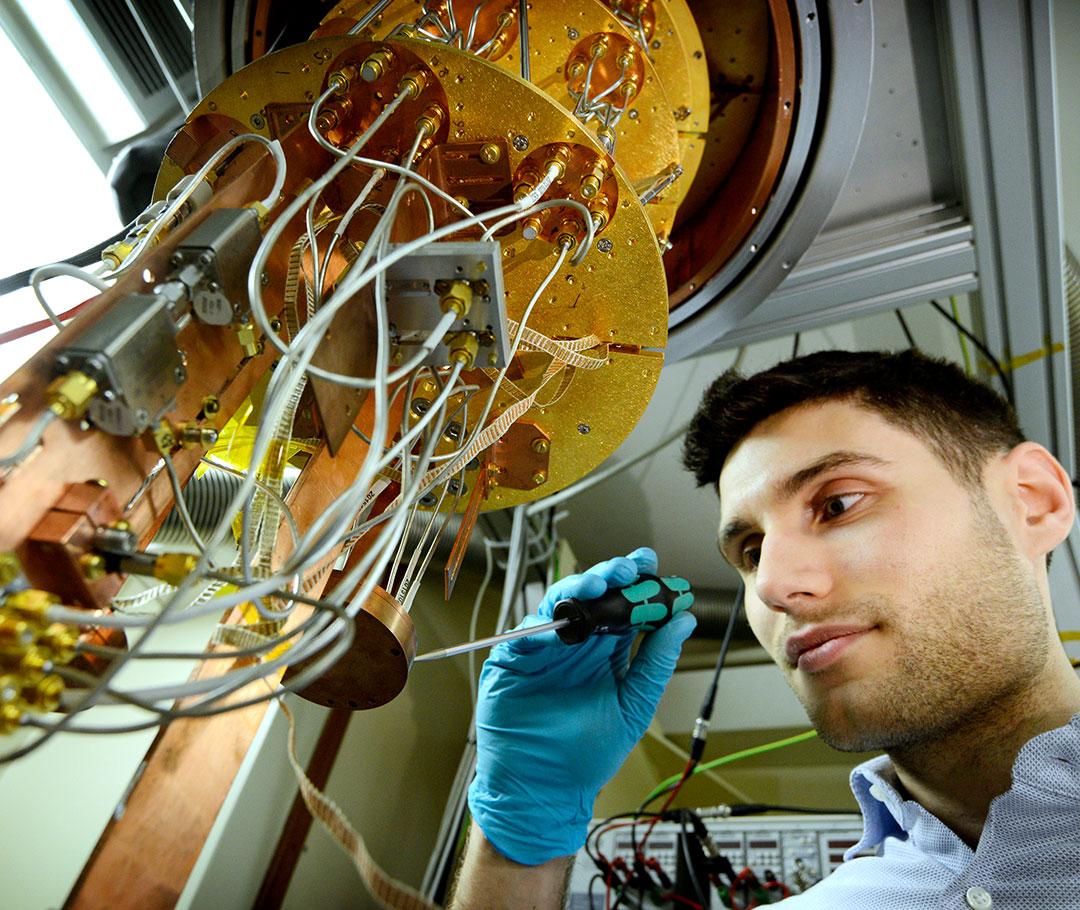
column 1022, row 360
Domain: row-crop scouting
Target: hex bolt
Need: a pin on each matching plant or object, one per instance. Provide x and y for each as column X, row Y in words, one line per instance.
column 572, row 34
column 521, row 142
column 583, row 429
column 604, row 245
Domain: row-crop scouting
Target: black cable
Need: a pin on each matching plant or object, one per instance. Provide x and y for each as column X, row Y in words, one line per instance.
column 795, row 346
column 701, row 727
column 592, row 882
column 907, row 332
column 758, row 808
column 691, row 870
column 603, row 824
column 994, row 362
column 86, row 257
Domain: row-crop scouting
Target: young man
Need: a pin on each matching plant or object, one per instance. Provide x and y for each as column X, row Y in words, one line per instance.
column 893, row 529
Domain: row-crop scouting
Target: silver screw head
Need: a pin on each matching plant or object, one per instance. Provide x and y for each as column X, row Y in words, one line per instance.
column 604, row 245
column 583, row 429
column 572, row 34
column 520, row 142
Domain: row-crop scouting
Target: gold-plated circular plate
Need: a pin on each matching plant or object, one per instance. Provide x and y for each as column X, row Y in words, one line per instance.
column 617, row 293
column 646, row 139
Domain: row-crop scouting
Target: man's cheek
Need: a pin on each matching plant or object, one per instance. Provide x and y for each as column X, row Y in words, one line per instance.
column 764, row 626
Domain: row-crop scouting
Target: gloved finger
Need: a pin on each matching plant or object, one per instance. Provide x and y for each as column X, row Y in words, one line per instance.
column 646, row 560
column 650, row 672
column 616, row 572
column 586, row 586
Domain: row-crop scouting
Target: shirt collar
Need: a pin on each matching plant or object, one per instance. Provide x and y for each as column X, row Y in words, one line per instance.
column 886, row 813
column 881, row 805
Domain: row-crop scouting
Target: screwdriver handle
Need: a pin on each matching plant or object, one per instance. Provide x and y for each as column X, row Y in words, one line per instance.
column 643, row 606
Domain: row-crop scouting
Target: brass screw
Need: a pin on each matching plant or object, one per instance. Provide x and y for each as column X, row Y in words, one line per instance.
column 92, row 566
column 211, row 405
column 539, row 477
column 490, row 153
column 121, row 525
column 540, row 446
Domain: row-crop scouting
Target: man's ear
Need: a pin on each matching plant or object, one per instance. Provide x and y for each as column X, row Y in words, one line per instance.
column 1043, row 490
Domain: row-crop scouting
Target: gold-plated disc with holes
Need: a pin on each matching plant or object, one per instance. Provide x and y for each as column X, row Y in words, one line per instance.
column 646, row 141
column 617, row 293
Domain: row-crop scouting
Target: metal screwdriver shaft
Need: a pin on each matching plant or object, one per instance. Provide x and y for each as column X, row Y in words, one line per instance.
column 491, row 641
column 643, row 606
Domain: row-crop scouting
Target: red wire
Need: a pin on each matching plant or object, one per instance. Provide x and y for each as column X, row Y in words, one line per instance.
column 607, row 891
column 29, row 329
column 667, row 804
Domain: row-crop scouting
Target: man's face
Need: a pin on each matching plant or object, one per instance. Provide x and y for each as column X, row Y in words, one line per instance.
column 893, row 598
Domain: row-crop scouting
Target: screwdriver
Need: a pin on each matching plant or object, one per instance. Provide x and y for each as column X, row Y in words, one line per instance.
column 643, row 606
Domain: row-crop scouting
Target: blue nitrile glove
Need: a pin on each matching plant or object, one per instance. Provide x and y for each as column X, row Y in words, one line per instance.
column 554, row 721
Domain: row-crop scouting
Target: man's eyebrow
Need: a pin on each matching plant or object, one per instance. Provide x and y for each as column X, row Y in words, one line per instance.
column 841, row 459
column 791, row 485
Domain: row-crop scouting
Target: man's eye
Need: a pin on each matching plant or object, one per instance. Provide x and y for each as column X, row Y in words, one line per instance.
column 750, row 555
column 835, row 506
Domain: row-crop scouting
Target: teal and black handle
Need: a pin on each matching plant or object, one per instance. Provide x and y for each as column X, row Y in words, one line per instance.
column 643, row 606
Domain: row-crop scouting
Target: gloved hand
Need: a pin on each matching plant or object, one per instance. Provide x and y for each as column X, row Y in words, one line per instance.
column 554, row 721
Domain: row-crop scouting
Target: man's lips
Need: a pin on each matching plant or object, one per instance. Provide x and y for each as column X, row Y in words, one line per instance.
column 818, row 646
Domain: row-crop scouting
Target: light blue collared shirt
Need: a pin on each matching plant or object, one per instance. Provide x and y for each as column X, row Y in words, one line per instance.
column 1028, row 857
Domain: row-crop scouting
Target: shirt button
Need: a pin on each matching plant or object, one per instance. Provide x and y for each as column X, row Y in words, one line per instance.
column 979, row 899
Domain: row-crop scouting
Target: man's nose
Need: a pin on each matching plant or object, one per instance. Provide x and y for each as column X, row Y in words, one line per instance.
column 792, row 572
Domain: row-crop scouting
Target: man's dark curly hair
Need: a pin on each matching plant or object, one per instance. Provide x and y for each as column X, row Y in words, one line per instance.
column 963, row 421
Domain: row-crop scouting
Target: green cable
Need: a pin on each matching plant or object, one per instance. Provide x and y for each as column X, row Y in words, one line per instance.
column 728, row 759
column 960, row 335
